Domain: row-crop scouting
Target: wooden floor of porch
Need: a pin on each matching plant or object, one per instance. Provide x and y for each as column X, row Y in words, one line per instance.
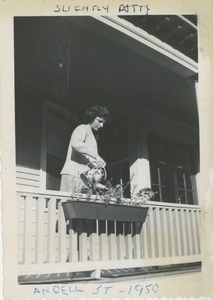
column 112, row 276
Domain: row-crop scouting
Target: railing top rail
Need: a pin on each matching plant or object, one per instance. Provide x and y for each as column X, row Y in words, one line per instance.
column 44, row 192
column 175, row 205
column 82, row 197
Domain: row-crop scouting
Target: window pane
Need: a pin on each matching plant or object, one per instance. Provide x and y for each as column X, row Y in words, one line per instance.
column 165, row 195
column 154, row 174
column 190, row 198
column 159, row 166
column 188, row 181
column 181, row 197
column 184, row 173
column 179, row 172
column 155, row 189
column 164, row 174
column 171, row 170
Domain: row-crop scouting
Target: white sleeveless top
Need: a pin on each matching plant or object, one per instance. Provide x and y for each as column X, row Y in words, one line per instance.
column 77, row 163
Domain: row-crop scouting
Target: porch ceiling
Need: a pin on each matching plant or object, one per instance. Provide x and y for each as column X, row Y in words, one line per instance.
column 82, row 61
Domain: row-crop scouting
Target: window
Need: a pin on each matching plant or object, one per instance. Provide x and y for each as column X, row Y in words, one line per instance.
column 59, row 125
column 172, row 175
column 185, row 179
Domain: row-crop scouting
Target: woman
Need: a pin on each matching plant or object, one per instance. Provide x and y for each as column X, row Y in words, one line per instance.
column 82, row 152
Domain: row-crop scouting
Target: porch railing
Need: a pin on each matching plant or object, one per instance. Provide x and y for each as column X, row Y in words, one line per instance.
column 46, row 243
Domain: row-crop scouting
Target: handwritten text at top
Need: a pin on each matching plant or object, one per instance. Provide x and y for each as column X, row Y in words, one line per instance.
column 122, row 8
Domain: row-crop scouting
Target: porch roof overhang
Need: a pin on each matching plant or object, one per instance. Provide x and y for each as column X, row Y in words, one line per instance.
column 105, row 60
column 152, row 47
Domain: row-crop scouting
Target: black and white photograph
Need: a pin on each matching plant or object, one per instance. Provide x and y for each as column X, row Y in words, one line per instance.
column 108, row 154
column 128, row 167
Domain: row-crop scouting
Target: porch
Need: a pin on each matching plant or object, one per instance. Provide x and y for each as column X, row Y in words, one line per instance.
column 169, row 235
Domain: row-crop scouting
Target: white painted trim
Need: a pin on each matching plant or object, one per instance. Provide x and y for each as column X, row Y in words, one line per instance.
column 149, row 40
column 187, row 21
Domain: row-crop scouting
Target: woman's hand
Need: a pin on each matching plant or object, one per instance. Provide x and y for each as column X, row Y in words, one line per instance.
column 100, row 162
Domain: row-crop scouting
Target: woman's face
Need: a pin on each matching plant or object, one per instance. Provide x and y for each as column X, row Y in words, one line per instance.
column 97, row 123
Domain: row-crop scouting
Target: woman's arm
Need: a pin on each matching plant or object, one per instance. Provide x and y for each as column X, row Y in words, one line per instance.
column 77, row 142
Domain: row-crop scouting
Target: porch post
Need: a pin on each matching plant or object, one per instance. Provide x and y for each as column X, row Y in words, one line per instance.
column 194, row 80
column 138, row 156
column 205, row 185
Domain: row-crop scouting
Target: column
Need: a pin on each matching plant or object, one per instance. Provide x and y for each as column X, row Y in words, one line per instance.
column 205, row 182
column 138, row 156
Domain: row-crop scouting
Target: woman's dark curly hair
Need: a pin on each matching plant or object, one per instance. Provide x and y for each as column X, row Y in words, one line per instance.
column 96, row 111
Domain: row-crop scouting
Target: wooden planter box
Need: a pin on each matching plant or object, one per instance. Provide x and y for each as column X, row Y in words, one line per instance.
column 101, row 211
